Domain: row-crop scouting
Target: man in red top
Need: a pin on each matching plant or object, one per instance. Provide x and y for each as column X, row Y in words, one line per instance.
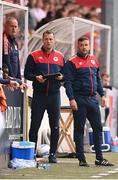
column 40, row 66
column 82, row 82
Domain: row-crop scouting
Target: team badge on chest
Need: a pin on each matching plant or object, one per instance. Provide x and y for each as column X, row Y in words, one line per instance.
column 92, row 61
column 40, row 57
column 55, row 59
column 80, row 63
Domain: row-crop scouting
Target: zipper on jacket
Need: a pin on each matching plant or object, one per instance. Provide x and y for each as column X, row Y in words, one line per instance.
column 91, row 81
column 47, row 89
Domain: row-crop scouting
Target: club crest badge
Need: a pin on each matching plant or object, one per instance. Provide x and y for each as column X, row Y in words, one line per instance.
column 92, row 61
column 55, row 59
column 80, row 63
column 40, row 57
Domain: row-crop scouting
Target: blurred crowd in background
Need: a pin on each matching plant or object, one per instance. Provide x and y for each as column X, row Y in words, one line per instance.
column 44, row 11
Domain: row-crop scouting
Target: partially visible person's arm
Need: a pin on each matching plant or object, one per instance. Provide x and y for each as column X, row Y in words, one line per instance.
column 10, row 83
column 99, row 84
column 4, row 81
column 100, row 90
column 69, row 73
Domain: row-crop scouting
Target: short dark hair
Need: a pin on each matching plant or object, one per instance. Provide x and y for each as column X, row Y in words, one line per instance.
column 83, row 38
column 48, row 32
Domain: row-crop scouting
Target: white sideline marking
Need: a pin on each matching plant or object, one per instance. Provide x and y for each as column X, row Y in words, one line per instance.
column 103, row 174
column 115, row 170
column 112, row 171
column 96, row 176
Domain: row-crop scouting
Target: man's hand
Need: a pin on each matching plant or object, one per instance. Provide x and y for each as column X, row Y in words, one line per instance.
column 103, row 101
column 60, row 77
column 73, row 105
column 13, row 84
column 40, row 79
column 23, row 86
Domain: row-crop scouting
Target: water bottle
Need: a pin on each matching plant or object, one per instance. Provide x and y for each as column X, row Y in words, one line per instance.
column 43, row 165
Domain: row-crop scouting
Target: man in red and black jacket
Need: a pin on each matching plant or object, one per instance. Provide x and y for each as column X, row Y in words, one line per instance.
column 46, row 89
column 82, row 82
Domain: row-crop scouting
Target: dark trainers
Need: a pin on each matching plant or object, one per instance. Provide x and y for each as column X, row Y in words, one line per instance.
column 84, row 164
column 52, row 158
column 103, row 162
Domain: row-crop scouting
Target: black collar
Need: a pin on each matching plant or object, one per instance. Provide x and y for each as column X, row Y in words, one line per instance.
column 80, row 55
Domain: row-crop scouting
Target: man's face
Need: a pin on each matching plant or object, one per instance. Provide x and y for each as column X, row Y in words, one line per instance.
column 83, row 47
column 48, row 41
column 12, row 28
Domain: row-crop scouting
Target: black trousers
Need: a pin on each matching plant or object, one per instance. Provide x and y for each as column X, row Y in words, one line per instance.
column 40, row 103
column 88, row 107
